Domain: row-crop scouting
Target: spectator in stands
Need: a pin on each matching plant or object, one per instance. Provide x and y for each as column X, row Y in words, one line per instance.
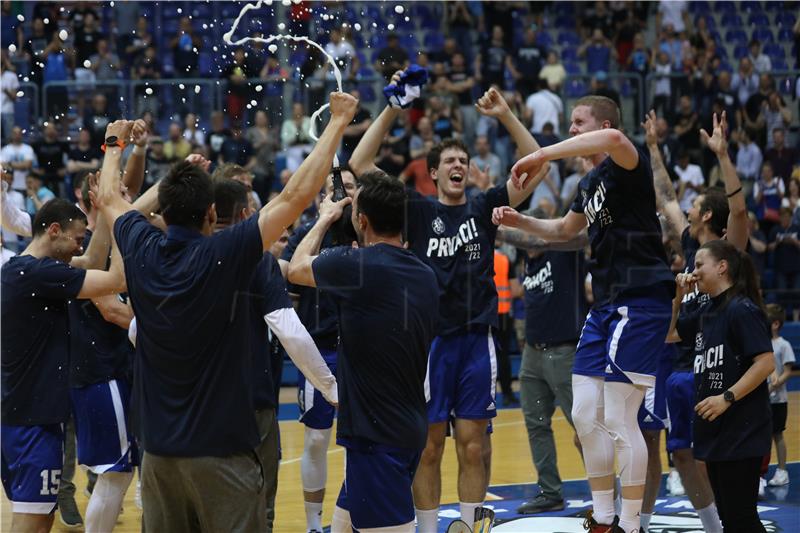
column 9, row 85
column 237, row 149
column 748, row 162
column 461, row 24
column 542, row 107
column 781, row 156
column 237, row 74
column 191, row 132
column 488, row 162
column 745, row 82
column 662, row 91
column 139, row 42
column 576, row 169
column 392, row 57
column 792, row 200
column 19, row 157
column 776, row 115
column 598, row 17
column 671, row 44
column 217, row 136
column 600, row 87
column 176, row 148
column 265, row 144
column 273, row 90
column 295, row 138
column 598, row 52
column 344, row 53
column 548, row 136
column 690, row 181
column 700, row 38
column 728, row 98
column 389, row 159
column 425, row 136
column 11, row 32
column 527, row 62
column 85, row 43
column 754, row 109
column 85, row 156
column 146, row 66
column 353, row 133
column 639, row 58
column 186, row 49
column 106, row 67
column 757, row 245
column 51, row 154
column 761, row 61
column 126, row 19
column 674, row 14
column 445, row 119
column 97, row 118
column 704, row 89
column 416, row 173
column 445, row 55
column 79, row 14
column 687, row 127
column 784, row 241
column 158, row 164
column 491, row 63
column 56, row 69
column 37, row 194
column 460, row 83
column 667, row 143
column 768, row 193
column 553, row 72
column 34, row 50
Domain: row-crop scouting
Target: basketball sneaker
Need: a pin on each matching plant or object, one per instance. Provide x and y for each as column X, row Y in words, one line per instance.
column 674, row 484
column 591, row 525
column 780, row 478
column 762, row 488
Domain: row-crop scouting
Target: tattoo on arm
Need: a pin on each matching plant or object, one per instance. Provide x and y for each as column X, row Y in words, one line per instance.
column 526, row 241
column 664, row 190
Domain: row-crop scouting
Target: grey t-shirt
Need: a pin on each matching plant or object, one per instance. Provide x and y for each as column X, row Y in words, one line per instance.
column 783, row 355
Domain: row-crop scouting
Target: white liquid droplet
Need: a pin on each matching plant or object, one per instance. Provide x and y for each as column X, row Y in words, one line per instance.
column 196, row 89
column 63, row 35
column 87, row 64
column 20, row 18
column 357, row 26
column 399, row 9
column 259, row 88
column 281, row 26
column 12, row 48
column 272, row 48
column 20, row 94
column 149, row 90
column 390, row 27
column 253, row 103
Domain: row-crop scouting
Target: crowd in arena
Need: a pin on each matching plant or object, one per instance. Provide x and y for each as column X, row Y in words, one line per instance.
column 714, row 146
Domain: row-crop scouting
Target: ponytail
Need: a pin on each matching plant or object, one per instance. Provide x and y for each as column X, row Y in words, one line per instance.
column 741, row 270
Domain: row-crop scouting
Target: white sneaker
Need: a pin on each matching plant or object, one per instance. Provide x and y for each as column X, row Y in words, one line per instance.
column 762, row 487
column 780, row 478
column 137, row 498
column 674, row 484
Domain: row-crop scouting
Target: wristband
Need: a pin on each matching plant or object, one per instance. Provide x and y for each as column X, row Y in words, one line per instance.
column 734, row 193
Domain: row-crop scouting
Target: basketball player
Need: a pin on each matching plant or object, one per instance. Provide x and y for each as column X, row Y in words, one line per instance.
column 271, row 306
column 632, row 285
column 455, row 237
column 714, row 215
column 317, row 310
column 192, row 359
column 388, row 302
column 36, row 286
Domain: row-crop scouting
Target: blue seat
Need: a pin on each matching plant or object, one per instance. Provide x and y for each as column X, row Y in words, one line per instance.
column 701, row 6
column 758, row 19
column 576, row 88
column 431, row 22
column 740, row 51
column 779, row 63
column 377, row 41
column 731, row 20
column 773, row 5
column 572, row 67
column 738, row 37
column 785, row 35
column 565, row 22
column 564, row 8
column 205, row 64
column 545, row 39
column 711, row 22
column 750, row 6
column 409, row 42
column 170, row 26
column 229, row 9
column 433, row 40
column 201, row 10
column 763, row 34
column 724, row 6
column 569, row 54
column 785, row 19
column 173, row 10
column 774, row 50
column 367, row 92
column 568, row 38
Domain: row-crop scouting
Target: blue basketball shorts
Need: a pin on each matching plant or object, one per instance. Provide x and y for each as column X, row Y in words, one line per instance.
column 32, row 459
column 315, row 411
column 653, row 411
column 681, row 400
column 462, row 377
column 377, row 486
column 102, row 427
column 622, row 341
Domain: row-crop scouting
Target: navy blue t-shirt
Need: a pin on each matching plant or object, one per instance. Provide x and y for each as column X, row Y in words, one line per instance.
column 35, row 339
column 727, row 335
column 787, row 255
column 388, row 308
column 628, row 257
column 555, row 300
column 684, row 358
column 193, row 383
column 457, row 242
column 99, row 350
column 316, row 308
column 267, row 294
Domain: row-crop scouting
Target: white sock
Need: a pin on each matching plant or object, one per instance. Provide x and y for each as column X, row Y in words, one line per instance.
column 709, row 517
column 106, row 501
column 340, row 523
column 313, row 516
column 468, row 511
column 644, row 519
column 629, row 519
column 428, row 520
column 603, row 506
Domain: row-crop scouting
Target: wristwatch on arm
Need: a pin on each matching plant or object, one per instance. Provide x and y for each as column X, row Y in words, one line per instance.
column 728, row 396
column 113, row 141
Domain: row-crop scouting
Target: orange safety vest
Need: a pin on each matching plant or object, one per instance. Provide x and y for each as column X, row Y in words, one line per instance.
column 501, row 282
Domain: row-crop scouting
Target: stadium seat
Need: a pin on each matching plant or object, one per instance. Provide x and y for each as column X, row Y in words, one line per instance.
column 791, row 332
column 740, row 51
column 774, row 51
column 724, row 6
column 750, row 6
column 779, row 63
column 572, row 67
column 701, row 6
column 409, row 43
column 576, row 88
column 169, row 26
column 731, row 20
column 568, row 38
column 545, row 39
column 569, row 53
column 785, row 35
column 173, row 10
column 711, row 22
column 433, row 40
column 367, row 92
column 564, row 8
column 201, row 10
column 205, row 64
column 758, row 19
column 565, row 22
column 737, row 37
column 229, row 9
column 763, row 34
column 785, row 19
column 773, row 5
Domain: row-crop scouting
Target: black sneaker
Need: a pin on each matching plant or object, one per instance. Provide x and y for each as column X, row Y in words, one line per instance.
column 541, row 504
column 591, row 525
column 69, row 514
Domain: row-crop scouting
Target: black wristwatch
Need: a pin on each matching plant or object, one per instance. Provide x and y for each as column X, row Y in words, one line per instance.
column 728, row 396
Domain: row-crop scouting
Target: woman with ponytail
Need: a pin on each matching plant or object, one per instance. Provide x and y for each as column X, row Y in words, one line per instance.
column 733, row 358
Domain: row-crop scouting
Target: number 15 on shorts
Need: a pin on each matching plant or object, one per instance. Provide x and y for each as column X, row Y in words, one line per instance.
column 50, row 481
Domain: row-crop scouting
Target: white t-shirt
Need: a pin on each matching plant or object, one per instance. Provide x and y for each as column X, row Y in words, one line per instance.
column 15, row 153
column 343, row 52
column 672, row 13
column 783, row 355
column 8, row 82
column 692, row 175
column 546, row 107
column 7, row 254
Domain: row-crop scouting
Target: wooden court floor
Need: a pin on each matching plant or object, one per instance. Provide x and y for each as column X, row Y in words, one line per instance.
column 511, row 464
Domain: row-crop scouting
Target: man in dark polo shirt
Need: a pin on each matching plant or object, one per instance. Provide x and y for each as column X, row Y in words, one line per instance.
column 193, row 407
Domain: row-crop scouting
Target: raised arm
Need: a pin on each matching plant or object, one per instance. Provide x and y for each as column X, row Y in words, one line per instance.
column 561, row 229
column 738, row 230
column 96, row 254
column 102, row 283
column 13, row 218
column 109, row 197
column 493, row 104
column 133, row 176
column 309, row 178
column 525, row 241
column 605, row 141
column 666, row 201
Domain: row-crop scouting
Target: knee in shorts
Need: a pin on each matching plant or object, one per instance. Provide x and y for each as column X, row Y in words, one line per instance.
column 317, row 441
column 584, row 417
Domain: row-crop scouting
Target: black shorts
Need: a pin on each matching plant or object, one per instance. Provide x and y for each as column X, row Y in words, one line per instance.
column 778, row 417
